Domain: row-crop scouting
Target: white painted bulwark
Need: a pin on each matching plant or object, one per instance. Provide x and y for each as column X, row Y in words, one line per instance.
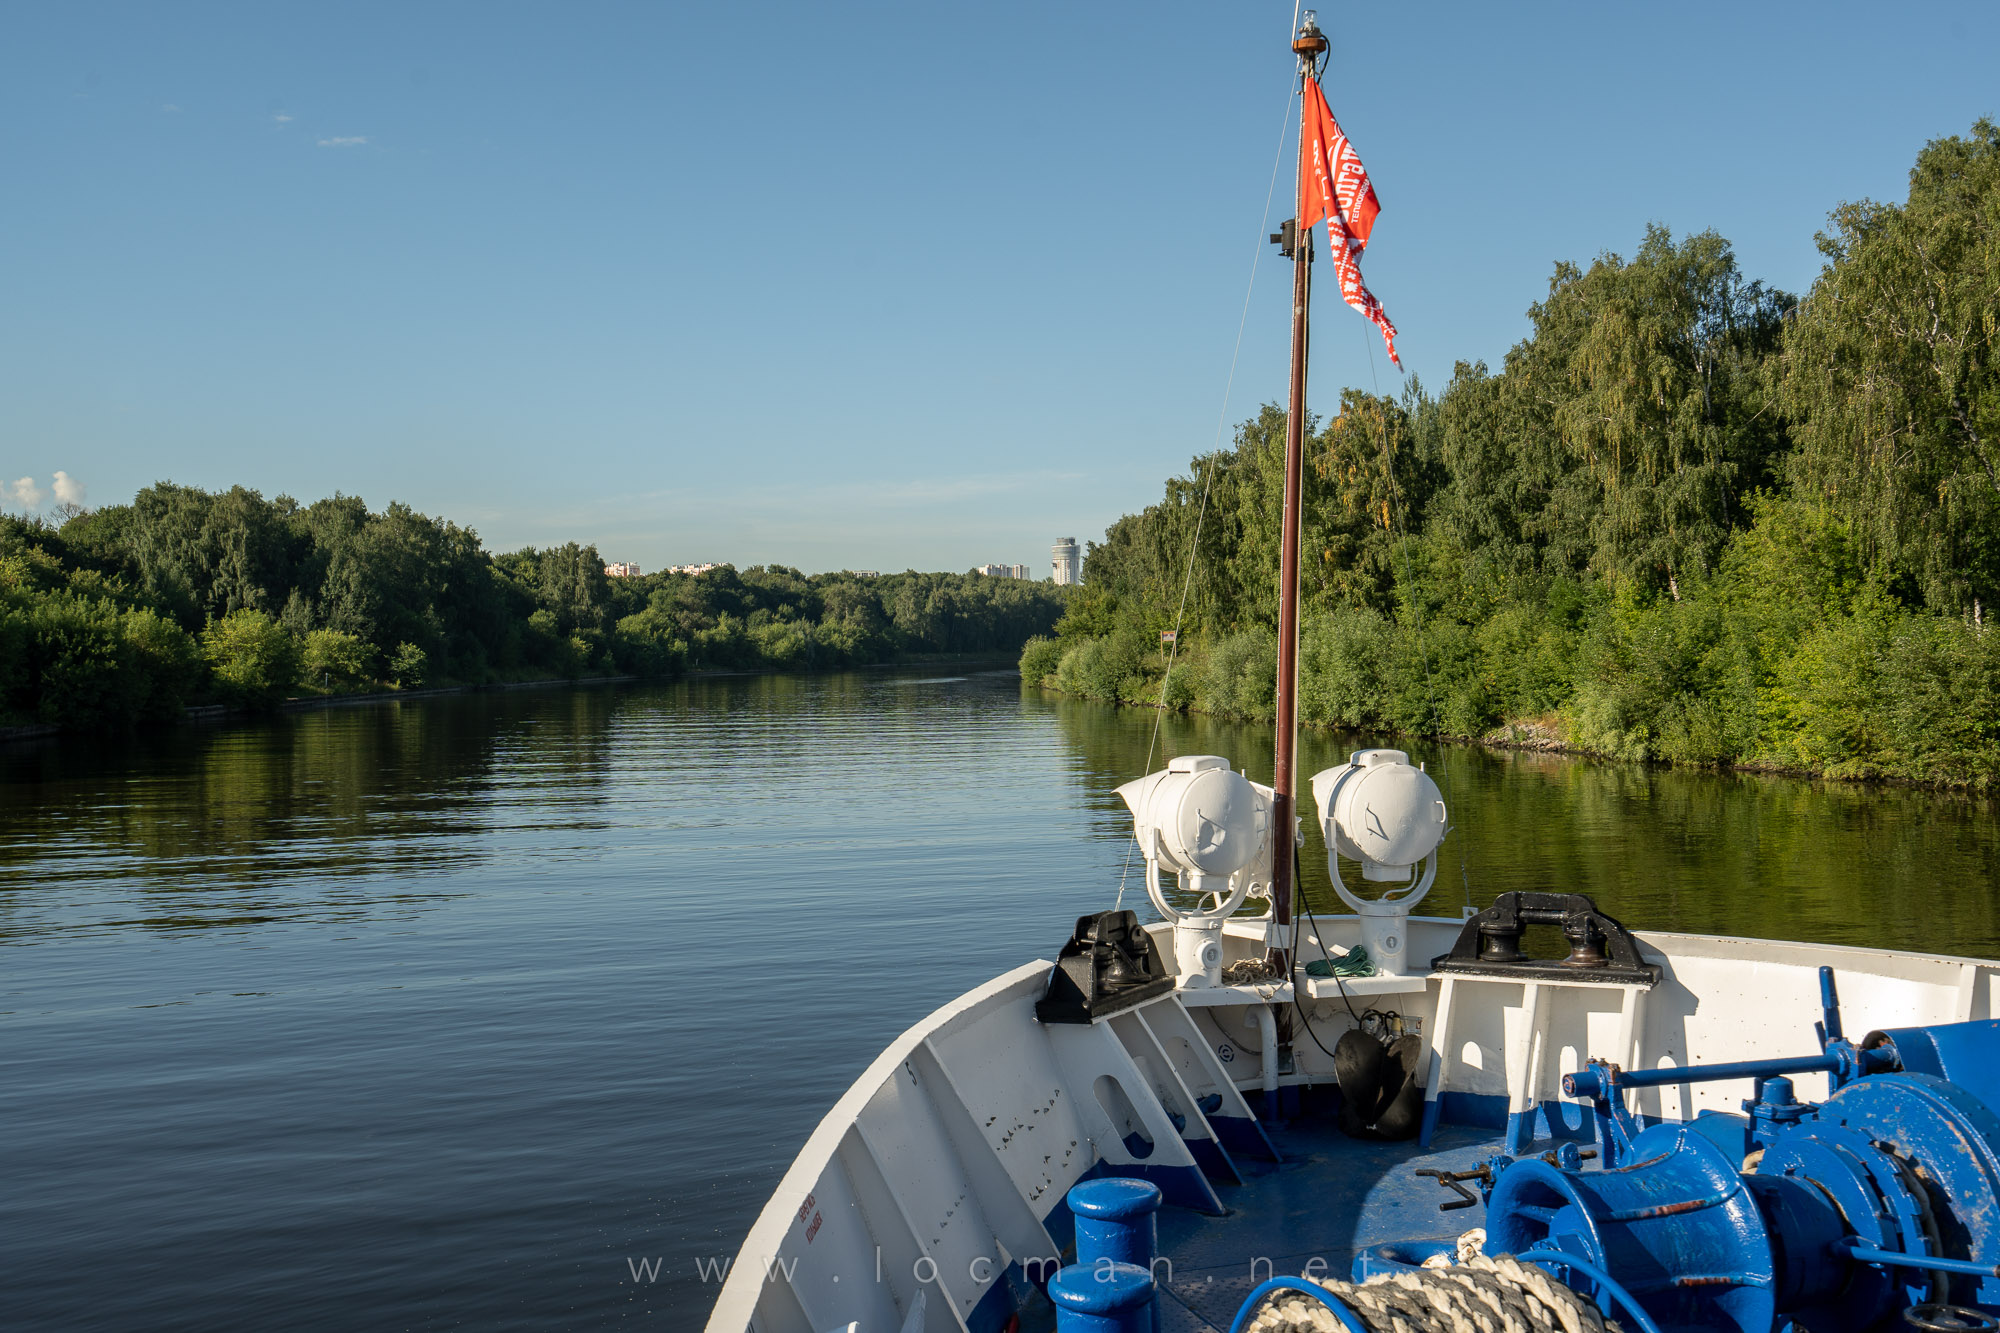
column 942, row 1164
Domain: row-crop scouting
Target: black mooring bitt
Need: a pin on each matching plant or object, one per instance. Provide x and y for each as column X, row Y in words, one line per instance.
column 1599, row 948
column 1109, row 964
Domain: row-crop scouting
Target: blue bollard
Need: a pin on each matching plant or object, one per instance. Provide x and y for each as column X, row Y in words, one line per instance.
column 1114, row 1221
column 1103, row 1298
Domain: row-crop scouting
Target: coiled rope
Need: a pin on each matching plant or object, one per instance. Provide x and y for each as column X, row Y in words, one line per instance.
column 1476, row 1295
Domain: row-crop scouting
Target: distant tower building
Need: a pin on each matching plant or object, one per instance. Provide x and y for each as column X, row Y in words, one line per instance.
column 619, row 569
column 1068, row 561
column 1019, row 572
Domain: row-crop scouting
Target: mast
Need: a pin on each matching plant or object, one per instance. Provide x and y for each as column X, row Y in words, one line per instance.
column 1307, row 44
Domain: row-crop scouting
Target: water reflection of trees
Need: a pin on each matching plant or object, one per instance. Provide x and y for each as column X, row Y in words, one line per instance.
column 364, row 812
column 369, row 811
column 344, row 813
column 1661, row 848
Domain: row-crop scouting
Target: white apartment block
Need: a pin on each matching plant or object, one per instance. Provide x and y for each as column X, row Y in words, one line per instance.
column 1068, row 561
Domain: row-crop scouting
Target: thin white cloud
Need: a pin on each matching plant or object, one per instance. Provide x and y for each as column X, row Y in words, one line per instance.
column 344, row 141
column 26, row 496
column 69, row 491
column 282, row 118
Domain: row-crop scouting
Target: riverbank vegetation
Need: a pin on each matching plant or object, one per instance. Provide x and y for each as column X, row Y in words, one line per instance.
column 129, row 613
column 1689, row 518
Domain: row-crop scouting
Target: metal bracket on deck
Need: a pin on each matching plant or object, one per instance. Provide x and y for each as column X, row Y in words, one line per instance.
column 1109, row 965
column 1600, row 949
column 1569, row 1157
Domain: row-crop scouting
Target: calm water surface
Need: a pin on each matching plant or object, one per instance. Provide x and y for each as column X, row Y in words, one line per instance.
column 441, row 1014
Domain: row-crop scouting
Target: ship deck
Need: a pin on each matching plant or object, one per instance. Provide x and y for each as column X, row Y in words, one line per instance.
column 920, row 1199
column 1331, row 1197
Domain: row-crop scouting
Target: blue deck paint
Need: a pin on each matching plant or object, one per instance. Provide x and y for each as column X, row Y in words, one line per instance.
column 1331, row 1197
column 1326, row 1197
column 1001, row 1302
column 1243, row 1137
column 1558, row 1121
column 1214, row 1162
column 1183, row 1186
column 1483, row 1110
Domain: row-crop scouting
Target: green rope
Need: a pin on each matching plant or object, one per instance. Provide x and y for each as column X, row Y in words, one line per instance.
column 1356, row 963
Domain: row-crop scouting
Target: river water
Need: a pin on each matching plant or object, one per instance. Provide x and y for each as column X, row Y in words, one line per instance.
column 463, row 1012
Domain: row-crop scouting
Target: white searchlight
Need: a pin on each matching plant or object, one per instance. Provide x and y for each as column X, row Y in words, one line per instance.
column 1380, row 810
column 1211, row 827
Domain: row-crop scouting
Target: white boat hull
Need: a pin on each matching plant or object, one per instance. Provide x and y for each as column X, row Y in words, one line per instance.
column 931, row 1195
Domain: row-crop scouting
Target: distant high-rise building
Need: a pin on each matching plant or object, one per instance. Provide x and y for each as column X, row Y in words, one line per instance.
column 1020, row 571
column 620, row 570
column 1005, row 571
column 1068, row 561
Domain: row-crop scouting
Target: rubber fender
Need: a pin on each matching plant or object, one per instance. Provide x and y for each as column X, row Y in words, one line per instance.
column 1382, row 1092
column 1405, row 1112
column 1361, row 1067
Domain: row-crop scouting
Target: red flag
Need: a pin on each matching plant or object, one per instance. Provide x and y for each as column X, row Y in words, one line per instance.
column 1334, row 185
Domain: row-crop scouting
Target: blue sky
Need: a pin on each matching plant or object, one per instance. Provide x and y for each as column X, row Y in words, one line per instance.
column 841, row 285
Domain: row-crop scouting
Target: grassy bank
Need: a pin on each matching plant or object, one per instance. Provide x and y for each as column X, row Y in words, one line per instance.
column 1787, row 660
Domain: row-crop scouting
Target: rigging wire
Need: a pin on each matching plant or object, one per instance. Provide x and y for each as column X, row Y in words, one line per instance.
column 1208, row 472
column 1299, row 887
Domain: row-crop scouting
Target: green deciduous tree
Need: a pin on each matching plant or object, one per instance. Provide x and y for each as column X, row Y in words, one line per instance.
column 1624, row 434
column 407, row 666
column 88, row 612
column 1890, row 373
column 1609, row 543
column 255, row 662
column 1374, row 482
column 333, row 657
column 573, row 587
column 164, row 666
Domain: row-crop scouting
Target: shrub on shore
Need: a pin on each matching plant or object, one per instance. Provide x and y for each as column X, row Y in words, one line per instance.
column 253, row 659
column 126, row 614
